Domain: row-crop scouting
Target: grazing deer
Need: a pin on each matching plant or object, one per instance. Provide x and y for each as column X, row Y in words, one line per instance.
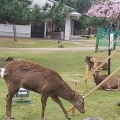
column 91, row 63
column 45, row 81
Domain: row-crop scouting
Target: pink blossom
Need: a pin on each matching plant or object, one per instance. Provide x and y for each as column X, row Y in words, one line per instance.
column 106, row 10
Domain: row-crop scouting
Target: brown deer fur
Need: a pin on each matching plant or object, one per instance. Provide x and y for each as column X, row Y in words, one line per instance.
column 91, row 63
column 45, row 81
column 112, row 84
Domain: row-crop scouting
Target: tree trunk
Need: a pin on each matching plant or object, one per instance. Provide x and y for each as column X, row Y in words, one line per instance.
column 118, row 24
column 14, row 32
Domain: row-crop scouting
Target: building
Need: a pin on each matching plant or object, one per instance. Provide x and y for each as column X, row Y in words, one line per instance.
column 41, row 30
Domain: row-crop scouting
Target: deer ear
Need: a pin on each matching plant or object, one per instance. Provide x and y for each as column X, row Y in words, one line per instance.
column 74, row 96
column 100, row 68
column 92, row 69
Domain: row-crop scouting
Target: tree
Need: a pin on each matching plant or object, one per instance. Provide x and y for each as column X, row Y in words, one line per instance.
column 107, row 9
column 80, row 6
column 95, row 22
column 14, row 12
column 83, row 5
column 37, row 15
column 71, row 3
column 57, row 14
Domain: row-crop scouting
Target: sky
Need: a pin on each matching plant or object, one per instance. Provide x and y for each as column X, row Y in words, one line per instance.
column 40, row 2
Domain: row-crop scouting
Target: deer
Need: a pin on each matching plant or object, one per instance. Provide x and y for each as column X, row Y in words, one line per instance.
column 91, row 63
column 38, row 78
column 112, row 84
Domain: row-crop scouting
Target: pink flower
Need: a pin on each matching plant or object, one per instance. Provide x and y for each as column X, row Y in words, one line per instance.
column 106, row 10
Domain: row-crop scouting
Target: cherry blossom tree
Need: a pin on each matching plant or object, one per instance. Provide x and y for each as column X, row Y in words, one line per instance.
column 108, row 9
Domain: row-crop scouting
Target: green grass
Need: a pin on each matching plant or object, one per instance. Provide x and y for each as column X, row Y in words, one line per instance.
column 71, row 66
column 40, row 43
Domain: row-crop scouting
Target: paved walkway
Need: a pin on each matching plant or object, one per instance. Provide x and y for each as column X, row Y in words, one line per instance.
column 49, row 49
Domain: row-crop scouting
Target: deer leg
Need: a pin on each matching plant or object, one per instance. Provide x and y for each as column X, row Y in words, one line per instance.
column 119, row 86
column 11, row 93
column 44, row 97
column 57, row 100
column 117, row 89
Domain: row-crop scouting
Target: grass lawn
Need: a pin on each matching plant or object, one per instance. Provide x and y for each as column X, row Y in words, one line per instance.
column 40, row 43
column 71, row 66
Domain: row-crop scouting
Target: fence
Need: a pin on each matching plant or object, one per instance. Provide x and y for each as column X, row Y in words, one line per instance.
column 102, row 37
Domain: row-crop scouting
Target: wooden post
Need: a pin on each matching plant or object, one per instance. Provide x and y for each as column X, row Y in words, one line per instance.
column 105, row 61
column 101, row 64
column 104, row 81
column 73, row 108
column 100, row 67
column 75, row 85
column 86, row 77
column 95, row 63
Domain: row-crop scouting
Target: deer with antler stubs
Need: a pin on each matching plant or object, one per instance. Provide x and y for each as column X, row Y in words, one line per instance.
column 40, row 79
column 91, row 63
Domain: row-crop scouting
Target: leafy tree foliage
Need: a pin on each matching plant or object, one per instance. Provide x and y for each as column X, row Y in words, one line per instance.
column 14, row 12
column 56, row 14
column 80, row 6
column 83, row 5
column 37, row 15
column 95, row 22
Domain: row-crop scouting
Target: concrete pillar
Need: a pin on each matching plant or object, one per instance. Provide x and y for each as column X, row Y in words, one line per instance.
column 72, row 26
column 67, row 28
column 45, row 30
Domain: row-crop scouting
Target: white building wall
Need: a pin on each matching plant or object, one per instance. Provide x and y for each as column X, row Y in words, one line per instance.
column 22, row 30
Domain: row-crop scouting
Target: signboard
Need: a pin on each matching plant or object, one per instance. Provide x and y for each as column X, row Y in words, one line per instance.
column 111, row 40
